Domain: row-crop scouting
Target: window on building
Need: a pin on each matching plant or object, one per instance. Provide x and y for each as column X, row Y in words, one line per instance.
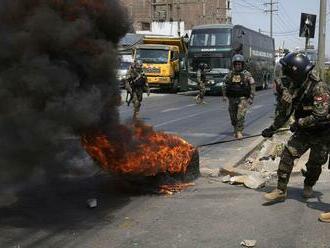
column 145, row 25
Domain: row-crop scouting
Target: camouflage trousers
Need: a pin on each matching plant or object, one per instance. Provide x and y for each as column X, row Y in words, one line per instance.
column 137, row 99
column 238, row 107
column 137, row 95
column 297, row 145
column 201, row 91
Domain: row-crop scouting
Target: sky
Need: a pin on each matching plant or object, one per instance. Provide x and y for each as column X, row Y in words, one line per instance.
column 286, row 21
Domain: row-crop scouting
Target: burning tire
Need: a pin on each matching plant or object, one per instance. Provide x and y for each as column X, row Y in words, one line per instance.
column 143, row 156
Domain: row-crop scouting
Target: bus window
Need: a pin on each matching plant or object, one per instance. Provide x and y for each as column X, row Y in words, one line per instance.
column 210, row 37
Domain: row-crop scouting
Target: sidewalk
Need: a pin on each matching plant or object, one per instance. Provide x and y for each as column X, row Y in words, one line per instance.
column 256, row 159
column 224, row 156
column 267, row 158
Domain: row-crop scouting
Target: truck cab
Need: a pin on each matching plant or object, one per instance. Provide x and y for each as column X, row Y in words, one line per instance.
column 163, row 60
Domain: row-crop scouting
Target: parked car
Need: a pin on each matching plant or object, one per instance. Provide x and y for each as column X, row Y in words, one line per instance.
column 124, row 63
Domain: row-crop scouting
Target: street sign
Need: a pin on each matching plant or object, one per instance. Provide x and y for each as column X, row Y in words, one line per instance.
column 307, row 25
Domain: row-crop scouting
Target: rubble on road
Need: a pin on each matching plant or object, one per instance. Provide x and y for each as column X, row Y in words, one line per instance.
column 226, row 179
column 208, row 172
column 232, row 171
column 266, row 159
column 260, row 167
column 248, row 243
column 253, row 181
column 237, row 180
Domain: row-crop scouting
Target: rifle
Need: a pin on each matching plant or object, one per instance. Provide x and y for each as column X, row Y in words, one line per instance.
column 129, row 92
column 128, row 97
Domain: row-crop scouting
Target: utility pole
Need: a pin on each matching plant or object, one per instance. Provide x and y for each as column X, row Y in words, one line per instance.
column 321, row 45
column 203, row 10
column 271, row 11
column 178, row 16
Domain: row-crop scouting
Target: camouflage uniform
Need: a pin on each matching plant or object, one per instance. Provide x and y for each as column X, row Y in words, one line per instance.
column 135, row 84
column 285, row 92
column 311, row 128
column 238, row 103
column 201, row 83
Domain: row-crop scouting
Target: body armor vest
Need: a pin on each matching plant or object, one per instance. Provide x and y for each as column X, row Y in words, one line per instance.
column 238, row 86
column 139, row 79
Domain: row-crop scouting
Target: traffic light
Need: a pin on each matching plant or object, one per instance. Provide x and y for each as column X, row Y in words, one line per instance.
column 307, row 25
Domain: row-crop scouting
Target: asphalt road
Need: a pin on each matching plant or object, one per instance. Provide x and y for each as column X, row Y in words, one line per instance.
column 200, row 124
column 207, row 123
column 209, row 214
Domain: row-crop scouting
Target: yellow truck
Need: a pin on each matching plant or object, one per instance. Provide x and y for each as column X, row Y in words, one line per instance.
column 164, row 61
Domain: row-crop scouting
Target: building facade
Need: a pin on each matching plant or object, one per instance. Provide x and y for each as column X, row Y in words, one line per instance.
column 192, row 12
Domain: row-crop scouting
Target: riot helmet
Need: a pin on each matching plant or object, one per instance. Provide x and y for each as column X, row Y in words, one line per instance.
column 296, row 66
column 238, row 62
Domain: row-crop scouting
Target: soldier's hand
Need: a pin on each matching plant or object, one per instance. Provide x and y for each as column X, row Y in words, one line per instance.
column 148, row 92
column 224, row 99
column 294, row 127
column 250, row 101
column 268, row 132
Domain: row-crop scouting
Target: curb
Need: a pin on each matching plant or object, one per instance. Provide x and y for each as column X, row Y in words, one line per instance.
column 232, row 169
column 258, row 142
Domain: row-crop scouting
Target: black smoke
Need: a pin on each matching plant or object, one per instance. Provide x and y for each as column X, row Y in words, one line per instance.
column 57, row 79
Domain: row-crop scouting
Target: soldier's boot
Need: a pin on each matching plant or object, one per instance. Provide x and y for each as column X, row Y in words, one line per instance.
column 239, row 135
column 276, row 195
column 308, row 191
column 198, row 99
column 325, row 217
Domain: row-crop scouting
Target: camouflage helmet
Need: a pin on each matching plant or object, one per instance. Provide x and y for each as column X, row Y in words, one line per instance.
column 238, row 58
column 296, row 66
column 138, row 64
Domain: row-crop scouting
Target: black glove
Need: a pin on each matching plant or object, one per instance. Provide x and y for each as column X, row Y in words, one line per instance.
column 268, row 132
column 294, row 127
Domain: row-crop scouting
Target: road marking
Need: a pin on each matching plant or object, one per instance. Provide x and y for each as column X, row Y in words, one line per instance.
column 256, row 107
column 183, row 118
column 178, row 108
column 194, row 134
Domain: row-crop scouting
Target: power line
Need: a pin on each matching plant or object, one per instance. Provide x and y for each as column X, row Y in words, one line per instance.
column 286, row 32
column 252, row 5
column 286, row 14
column 246, row 6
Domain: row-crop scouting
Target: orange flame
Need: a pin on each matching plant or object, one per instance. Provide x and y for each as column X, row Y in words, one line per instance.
column 146, row 153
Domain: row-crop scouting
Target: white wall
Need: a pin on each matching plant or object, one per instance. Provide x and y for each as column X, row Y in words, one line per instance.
column 165, row 28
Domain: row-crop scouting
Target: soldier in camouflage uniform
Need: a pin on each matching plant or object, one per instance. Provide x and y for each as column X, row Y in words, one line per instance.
column 308, row 98
column 239, row 87
column 135, row 84
column 201, row 82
